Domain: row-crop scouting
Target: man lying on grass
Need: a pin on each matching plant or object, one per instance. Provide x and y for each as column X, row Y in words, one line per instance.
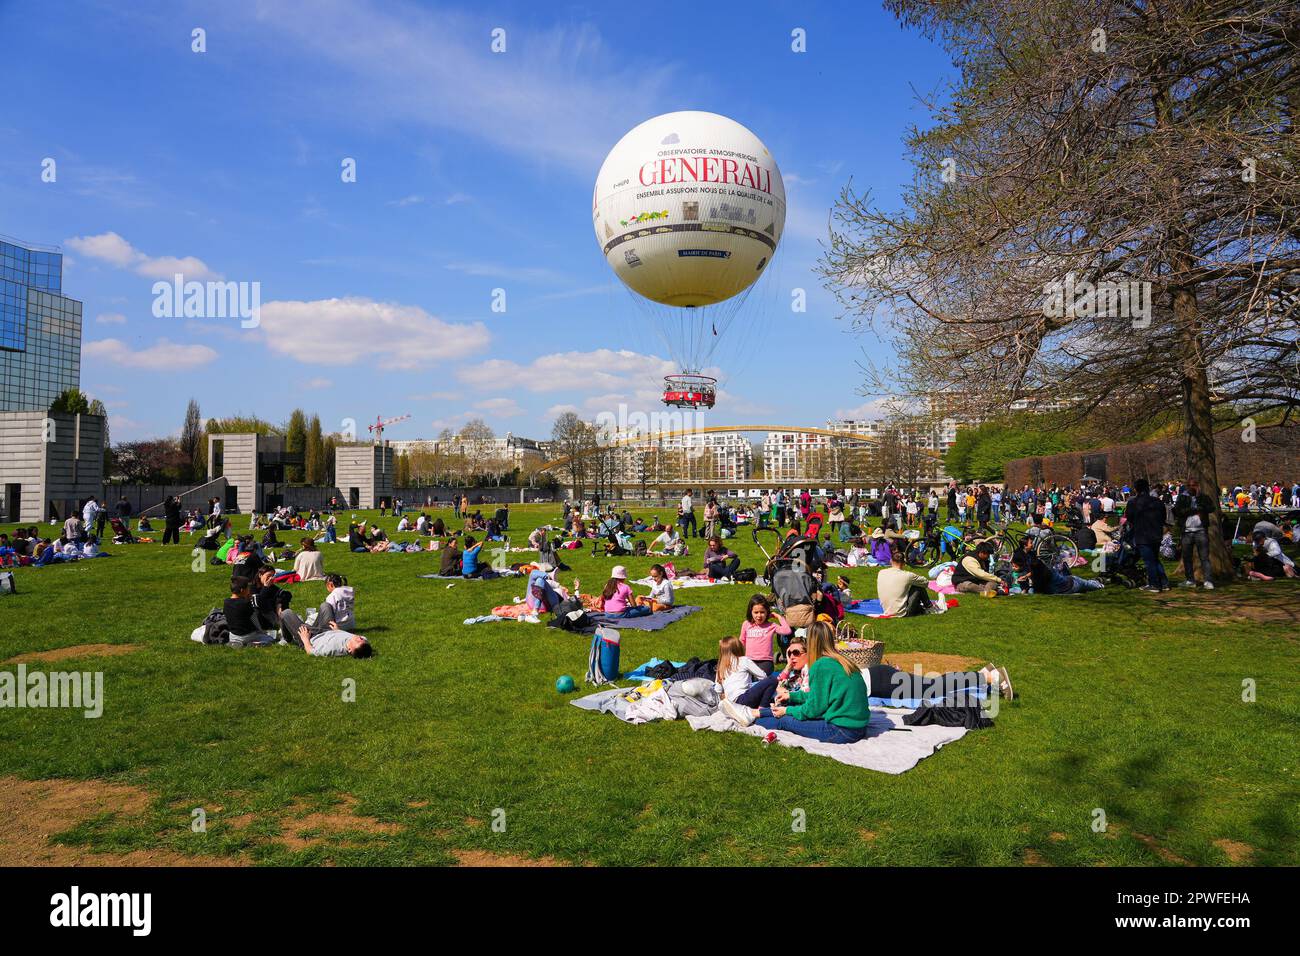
column 334, row 643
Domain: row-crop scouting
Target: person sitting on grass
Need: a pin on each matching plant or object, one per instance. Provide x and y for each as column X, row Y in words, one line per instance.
column 1268, row 560
column 450, row 564
column 834, row 709
column 242, row 616
column 669, row 543
column 470, row 567
column 309, row 563
column 759, row 632
column 762, row 693
column 971, row 575
column 661, row 591
column 1045, row 580
column 268, row 598
column 378, row 540
column 720, row 561
column 736, row 672
column 901, row 592
column 357, row 538
column 334, row 642
column 616, row 599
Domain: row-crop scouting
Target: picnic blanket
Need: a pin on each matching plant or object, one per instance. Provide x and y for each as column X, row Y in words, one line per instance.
column 871, row 607
column 889, row 746
column 679, row 583
column 643, row 672
column 650, row 622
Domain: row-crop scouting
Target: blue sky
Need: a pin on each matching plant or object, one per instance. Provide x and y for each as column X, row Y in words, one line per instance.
column 474, row 172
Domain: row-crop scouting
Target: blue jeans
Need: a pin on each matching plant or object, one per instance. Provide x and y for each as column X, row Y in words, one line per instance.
column 688, row 525
column 1156, row 576
column 331, row 535
column 1078, row 584
column 639, row 610
column 822, row 730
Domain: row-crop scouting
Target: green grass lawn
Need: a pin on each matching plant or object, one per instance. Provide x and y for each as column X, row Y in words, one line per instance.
column 1130, row 703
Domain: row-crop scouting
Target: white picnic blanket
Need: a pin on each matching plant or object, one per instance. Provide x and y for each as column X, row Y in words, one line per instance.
column 885, row 748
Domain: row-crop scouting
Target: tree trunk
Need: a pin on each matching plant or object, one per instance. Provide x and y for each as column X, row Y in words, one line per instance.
column 1198, row 421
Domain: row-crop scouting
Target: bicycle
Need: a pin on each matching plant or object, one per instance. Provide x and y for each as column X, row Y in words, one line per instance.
column 1054, row 549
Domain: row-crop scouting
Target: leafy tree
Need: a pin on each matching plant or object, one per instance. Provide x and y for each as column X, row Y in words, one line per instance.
column 295, row 442
column 192, row 440
column 73, row 401
column 315, row 453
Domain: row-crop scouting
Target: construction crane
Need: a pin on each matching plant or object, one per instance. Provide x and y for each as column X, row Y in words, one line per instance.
column 377, row 429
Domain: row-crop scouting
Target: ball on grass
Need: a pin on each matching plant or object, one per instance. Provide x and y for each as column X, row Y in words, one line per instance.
column 564, row 684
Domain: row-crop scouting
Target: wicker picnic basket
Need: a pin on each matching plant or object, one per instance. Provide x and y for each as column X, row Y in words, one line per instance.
column 860, row 651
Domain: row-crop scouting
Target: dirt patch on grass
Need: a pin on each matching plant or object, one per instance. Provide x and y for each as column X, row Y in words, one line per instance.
column 302, row 827
column 77, row 650
column 1152, row 844
column 933, row 663
column 1236, row 852
column 488, row 858
column 1261, row 603
column 31, row 811
column 1033, row 858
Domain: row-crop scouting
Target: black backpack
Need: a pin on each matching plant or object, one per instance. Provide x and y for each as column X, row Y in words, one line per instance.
column 745, row 576
column 570, row 615
column 639, row 549
column 215, row 628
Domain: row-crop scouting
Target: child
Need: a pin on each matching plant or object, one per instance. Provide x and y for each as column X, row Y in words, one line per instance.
column 758, row 632
column 617, row 600
column 846, row 596
column 661, row 592
column 735, row 671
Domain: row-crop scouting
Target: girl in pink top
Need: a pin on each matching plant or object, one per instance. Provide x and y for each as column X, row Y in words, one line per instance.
column 616, row 599
column 759, row 631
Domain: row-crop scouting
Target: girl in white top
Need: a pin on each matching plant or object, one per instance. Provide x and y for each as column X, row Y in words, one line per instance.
column 661, row 592
column 735, row 671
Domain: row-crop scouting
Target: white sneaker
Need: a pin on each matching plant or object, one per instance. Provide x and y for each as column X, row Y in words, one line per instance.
column 1189, row 584
column 741, row 715
column 1209, row 585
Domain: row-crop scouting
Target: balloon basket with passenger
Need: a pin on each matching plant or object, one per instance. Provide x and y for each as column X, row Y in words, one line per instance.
column 689, row 390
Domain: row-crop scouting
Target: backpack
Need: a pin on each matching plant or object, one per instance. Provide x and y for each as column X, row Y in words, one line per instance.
column 745, row 576
column 639, row 549
column 570, row 615
column 215, row 628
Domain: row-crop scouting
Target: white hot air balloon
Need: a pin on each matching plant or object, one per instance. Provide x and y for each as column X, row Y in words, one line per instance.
column 689, row 209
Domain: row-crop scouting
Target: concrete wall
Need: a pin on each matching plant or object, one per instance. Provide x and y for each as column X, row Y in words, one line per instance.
column 55, row 469
column 369, row 469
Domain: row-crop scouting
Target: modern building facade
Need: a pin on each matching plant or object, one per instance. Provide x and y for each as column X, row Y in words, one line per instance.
column 49, row 463
column 40, row 329
column 364, row 473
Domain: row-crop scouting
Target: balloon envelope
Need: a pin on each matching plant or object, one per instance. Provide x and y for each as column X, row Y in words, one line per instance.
column 689, row 208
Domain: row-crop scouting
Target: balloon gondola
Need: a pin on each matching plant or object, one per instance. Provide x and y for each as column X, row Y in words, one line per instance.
column 690, row 390
column 688, row 210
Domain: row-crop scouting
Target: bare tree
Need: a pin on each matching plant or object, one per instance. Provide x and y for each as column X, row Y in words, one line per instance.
column 1095, row 152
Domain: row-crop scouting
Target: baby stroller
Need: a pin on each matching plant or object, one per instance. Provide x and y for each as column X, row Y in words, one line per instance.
column 121, row 533
column 1122, row 566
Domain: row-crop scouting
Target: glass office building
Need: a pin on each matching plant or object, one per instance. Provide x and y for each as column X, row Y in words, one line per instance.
column 40, row 329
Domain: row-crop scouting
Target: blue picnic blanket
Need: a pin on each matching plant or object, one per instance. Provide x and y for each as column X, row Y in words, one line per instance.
column 650, row 622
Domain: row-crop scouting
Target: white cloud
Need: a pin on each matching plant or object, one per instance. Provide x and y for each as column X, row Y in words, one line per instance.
column 111, row 318
column 356, row 329
column 318, row 382
column 163, row 355
column 599, row 371
column 555, row 96
column 111, row 248
column 500, row 407
column 411, row 200
column 434, row 397
column 457, row 198
column 874, row 410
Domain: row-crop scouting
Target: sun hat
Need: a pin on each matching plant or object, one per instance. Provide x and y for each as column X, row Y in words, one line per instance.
column 619, row 572
column 878, row 532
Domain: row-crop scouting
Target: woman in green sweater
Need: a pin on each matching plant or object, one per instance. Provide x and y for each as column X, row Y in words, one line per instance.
column 833, row 710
